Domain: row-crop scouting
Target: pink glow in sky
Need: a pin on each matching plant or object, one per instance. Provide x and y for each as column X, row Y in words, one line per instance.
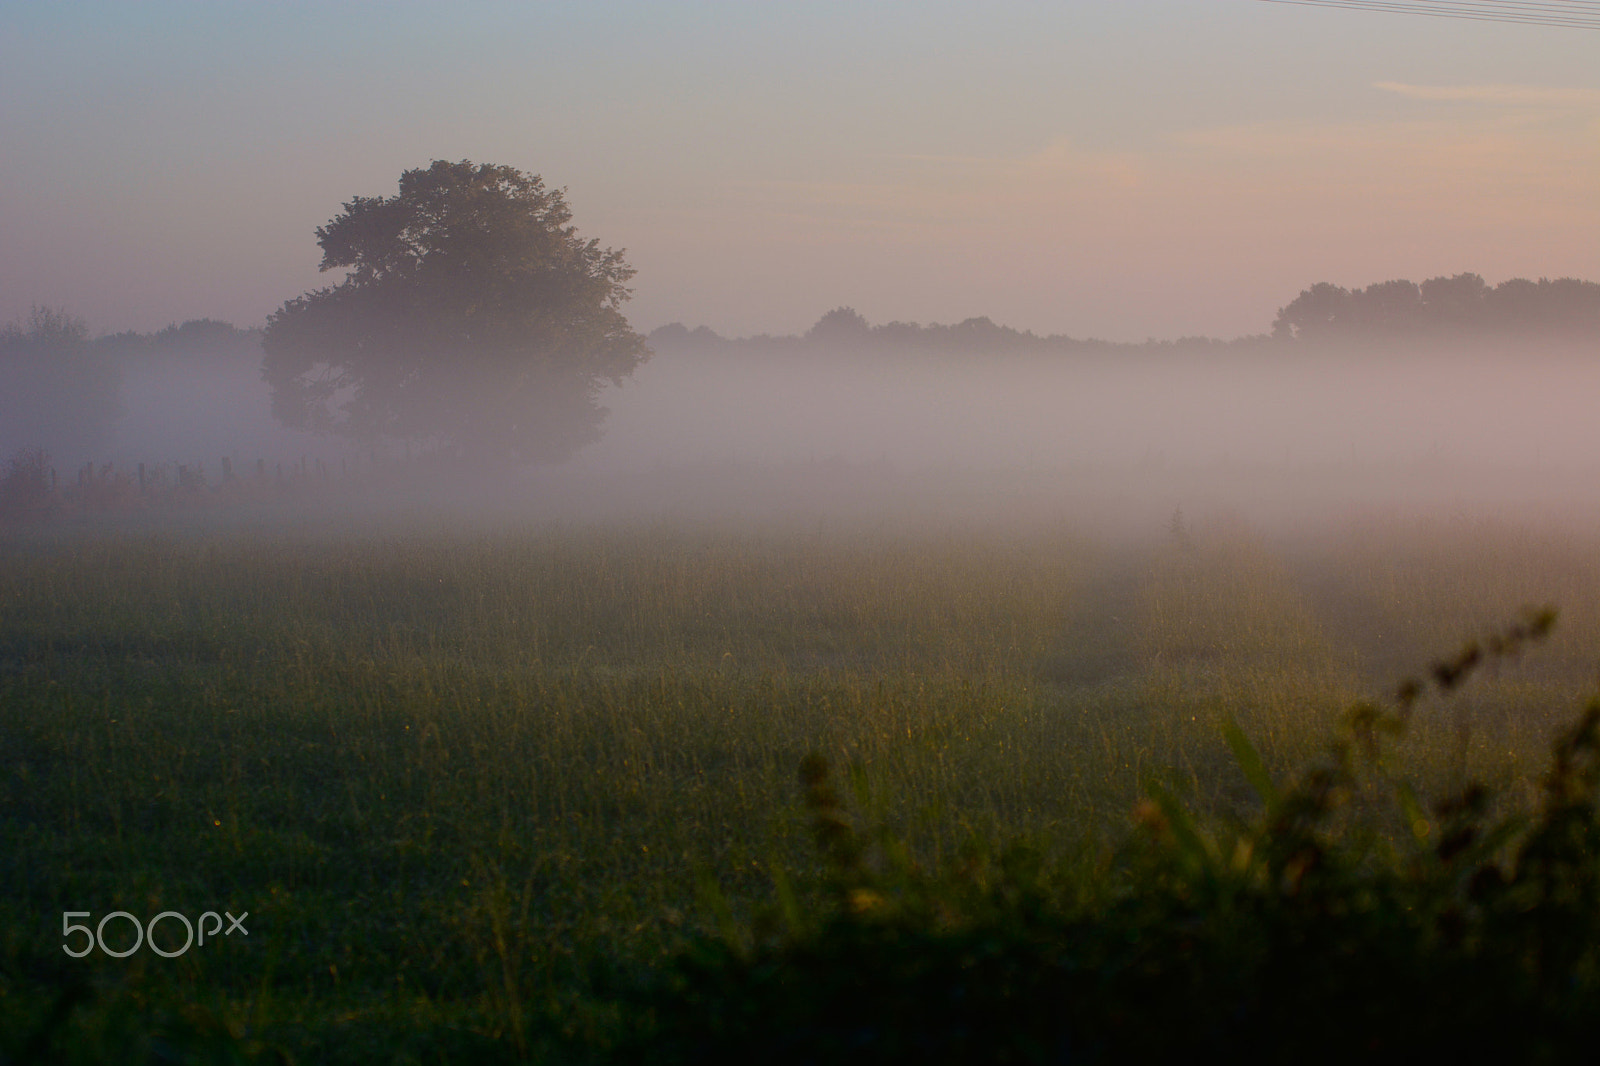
column 1144, row 168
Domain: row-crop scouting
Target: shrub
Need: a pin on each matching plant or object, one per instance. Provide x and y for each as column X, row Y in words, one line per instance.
column 1341, row 919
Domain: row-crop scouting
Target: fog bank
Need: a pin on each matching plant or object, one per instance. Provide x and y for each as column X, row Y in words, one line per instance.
column 1273, row 435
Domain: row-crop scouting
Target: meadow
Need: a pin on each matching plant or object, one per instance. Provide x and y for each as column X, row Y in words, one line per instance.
column 473, row 787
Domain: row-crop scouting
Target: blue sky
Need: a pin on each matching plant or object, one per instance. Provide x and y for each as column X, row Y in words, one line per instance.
column 1129, row 169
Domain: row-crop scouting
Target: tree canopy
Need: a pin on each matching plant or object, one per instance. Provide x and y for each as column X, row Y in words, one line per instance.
column 472, row 315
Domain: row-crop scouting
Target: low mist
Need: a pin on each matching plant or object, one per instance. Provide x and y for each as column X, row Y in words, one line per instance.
column 196, row 407
column 801, row 431
column 1270, row 435
column 1252, row 408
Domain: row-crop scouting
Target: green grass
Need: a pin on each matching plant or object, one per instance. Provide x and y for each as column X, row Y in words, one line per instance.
column 470, row 786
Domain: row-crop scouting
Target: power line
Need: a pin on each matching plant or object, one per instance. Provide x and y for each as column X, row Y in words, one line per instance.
column 1578, row 14
column 1572, row 13
column 1560, row 11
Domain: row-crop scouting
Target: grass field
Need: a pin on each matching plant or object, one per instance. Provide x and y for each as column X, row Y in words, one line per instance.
column 468, row 785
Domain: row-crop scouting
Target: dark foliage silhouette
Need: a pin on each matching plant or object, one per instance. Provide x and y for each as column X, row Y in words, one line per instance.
column 1341, row 920
column 472, row 316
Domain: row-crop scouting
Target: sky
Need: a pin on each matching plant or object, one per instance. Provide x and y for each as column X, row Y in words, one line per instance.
column 1143, row 168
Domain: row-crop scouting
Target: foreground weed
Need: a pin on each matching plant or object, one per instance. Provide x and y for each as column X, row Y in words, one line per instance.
column 1308, row 931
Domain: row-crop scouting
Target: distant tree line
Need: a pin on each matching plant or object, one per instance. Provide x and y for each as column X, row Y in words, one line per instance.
column 1458, row 305
column 845, row 329
column 1444, row 307
column 198, row 338
column 61, row 392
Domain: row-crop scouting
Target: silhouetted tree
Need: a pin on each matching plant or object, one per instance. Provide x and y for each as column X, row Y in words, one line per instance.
column 1317, row 312
column 198, row 344
column 206, row 336
column 57, row 392
column 473, row 315
column 1456, row 303
column 1442, row 305
column 842, row 325
column 973, row 336
column 677, row 335
column 1387, row 308
column 981, row 334
column 1564, row 304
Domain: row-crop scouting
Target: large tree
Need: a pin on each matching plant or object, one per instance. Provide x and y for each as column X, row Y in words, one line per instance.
column 472, row 316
